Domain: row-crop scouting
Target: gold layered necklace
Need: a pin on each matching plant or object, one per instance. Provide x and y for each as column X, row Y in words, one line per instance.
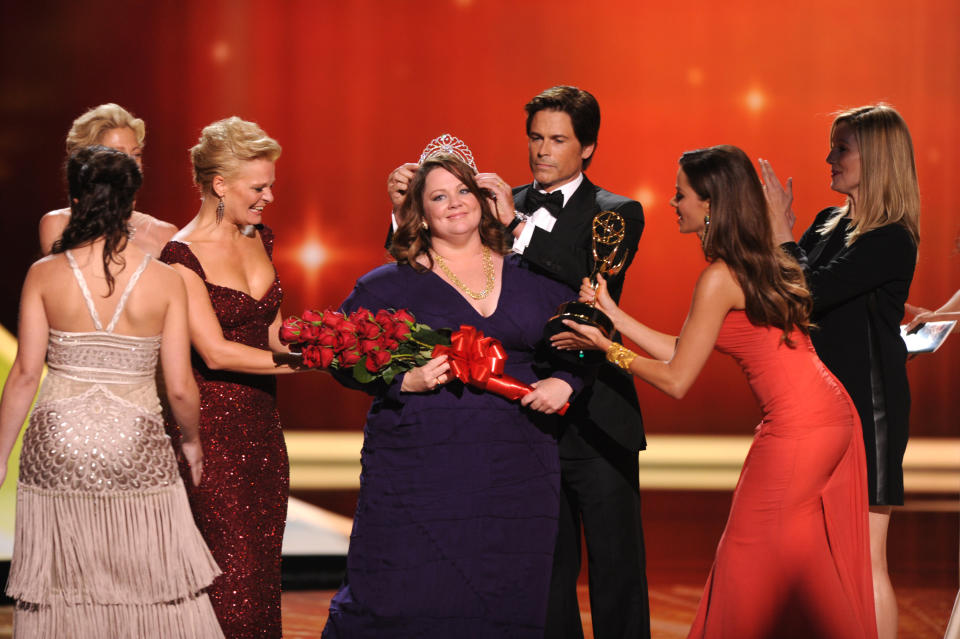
column 487, row 271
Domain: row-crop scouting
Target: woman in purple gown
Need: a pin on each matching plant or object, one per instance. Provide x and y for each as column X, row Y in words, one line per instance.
column 457, row 514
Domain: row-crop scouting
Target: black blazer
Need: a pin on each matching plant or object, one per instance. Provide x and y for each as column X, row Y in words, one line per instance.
column 565, row 254
column 858, row 294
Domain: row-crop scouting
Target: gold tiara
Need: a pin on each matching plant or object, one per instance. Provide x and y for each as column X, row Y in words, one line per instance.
column 450, row 145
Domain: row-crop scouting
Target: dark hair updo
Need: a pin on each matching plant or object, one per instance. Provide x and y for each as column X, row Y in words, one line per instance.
column 102, row 183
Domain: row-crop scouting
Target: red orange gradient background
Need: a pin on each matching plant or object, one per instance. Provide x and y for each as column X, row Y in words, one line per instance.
column 351, row 89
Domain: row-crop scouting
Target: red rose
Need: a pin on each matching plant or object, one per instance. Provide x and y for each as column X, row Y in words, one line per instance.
column 376, row 360
column 312, row 356
column 333, row 319
column 326, row 337
column 349, row 357
column 308, row 333
column 384, row 318
column 404, row 316
column 345, row 341
column 400, row 331
column 290, row 330
column 312, row 316
column 326, row 357
column 346, row 326
column 359, row 315
column 367, row 346
column 390, row 344
column 369, row 329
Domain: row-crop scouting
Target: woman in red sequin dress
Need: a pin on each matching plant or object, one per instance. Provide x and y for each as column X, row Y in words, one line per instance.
column 794, row 559
column 234, row 294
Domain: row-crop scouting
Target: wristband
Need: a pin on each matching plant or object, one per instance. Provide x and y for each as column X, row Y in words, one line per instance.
column 518, row 218
column 621, row 356
column 292, row 359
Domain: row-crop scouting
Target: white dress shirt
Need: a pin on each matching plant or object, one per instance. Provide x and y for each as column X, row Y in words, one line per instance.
column 542, row 218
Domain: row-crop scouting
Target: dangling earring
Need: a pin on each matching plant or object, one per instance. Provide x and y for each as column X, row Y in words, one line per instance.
column 706, row 229
column 220, row 209
column 426, row 227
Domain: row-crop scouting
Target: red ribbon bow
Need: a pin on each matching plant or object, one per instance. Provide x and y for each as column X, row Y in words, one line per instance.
column 479, row 361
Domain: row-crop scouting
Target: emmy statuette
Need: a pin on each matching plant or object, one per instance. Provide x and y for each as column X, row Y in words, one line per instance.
column 608, row 260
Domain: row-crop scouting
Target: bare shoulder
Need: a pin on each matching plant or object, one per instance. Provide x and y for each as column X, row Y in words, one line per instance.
column 150, row 233
column 165, row 274
column 57, row 214
column 48, row 273
column 47, row 264
column 718, row 281
column 717, row 273
column 163, row 283
column 55, row 220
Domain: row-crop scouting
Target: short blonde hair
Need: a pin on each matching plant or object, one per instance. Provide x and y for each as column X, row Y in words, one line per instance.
column 225, row 144
column 889, row 192
column 89, row 128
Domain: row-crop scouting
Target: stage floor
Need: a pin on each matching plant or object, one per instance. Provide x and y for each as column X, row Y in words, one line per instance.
column 923, row 610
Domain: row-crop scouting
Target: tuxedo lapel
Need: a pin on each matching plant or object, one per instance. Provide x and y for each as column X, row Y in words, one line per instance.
column 583, row 202
column 575, row 219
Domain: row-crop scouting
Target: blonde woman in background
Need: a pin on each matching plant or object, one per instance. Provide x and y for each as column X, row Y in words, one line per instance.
column 859, row 260
column 112, row 126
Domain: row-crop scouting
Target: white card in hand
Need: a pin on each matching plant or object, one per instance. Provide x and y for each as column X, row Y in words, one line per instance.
column 928, row 337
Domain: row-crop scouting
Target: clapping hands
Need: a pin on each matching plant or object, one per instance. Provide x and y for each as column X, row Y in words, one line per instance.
column 779, row 203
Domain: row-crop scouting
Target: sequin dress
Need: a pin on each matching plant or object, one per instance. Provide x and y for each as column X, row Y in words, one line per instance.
column 241, row 504
column 105, row 544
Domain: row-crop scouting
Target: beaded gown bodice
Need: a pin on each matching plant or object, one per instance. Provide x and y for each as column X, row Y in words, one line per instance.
column 97, row 426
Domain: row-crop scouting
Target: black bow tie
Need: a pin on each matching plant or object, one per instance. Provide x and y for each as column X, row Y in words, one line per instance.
column 553, row 202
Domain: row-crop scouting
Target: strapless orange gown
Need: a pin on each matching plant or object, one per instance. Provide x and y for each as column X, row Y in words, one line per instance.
column 794, row 559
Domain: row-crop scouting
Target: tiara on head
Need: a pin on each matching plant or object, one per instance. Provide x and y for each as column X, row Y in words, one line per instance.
column 450, row 145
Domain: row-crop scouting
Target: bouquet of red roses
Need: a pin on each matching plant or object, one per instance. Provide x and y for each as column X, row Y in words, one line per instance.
column 386, row 343
column 371, row 345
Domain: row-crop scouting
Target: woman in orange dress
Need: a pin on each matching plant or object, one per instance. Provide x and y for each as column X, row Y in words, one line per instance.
column 794, row 558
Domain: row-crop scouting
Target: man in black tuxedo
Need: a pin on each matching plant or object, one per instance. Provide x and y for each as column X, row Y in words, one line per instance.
column 552, row 230
column 551, row 221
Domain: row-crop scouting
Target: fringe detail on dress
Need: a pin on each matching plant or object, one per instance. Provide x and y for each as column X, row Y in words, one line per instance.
column 189, row 618
column 138, row 547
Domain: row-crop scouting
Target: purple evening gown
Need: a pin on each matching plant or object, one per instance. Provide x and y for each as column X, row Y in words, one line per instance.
column 459, row 491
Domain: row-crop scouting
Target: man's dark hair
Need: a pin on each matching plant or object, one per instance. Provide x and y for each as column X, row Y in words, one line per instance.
column 580, row 105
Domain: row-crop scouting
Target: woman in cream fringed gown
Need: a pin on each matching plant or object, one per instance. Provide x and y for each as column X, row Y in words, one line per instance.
column 105, row 544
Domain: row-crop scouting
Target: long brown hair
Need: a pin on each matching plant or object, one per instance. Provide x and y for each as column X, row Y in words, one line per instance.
column 889, row 192
column 411, row 239
column 739, row 233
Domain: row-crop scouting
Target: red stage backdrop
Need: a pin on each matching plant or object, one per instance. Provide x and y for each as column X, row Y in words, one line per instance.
column 353, row 89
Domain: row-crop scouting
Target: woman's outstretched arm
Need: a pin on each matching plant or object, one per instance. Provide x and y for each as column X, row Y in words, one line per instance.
column 206, row 335
column 716, row 293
